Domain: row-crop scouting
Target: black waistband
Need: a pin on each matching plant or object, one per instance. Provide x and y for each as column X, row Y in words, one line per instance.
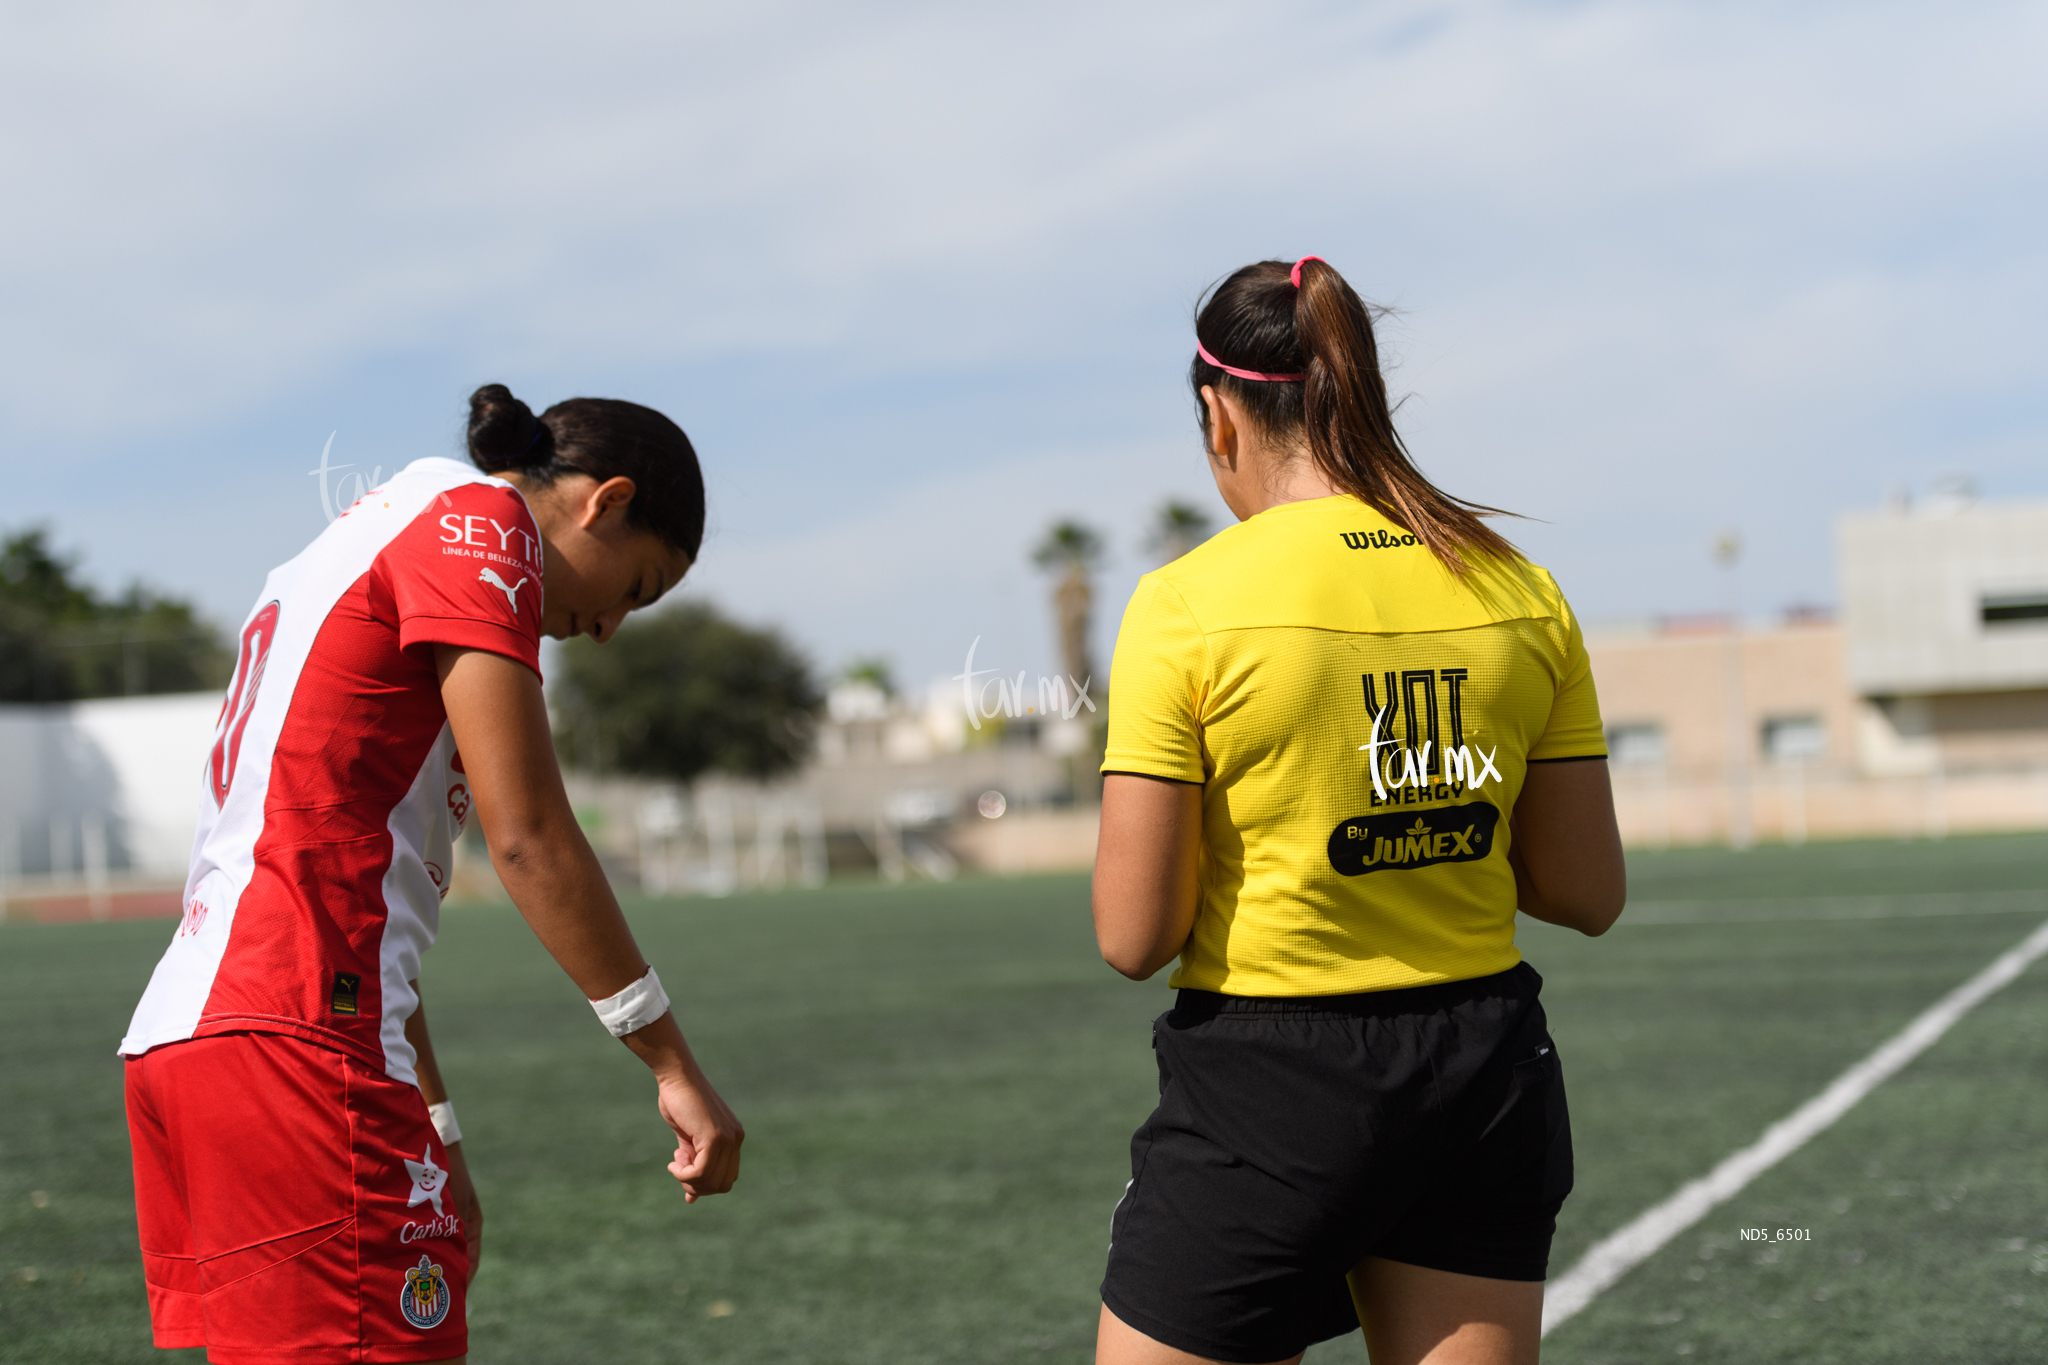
column 1517, row 981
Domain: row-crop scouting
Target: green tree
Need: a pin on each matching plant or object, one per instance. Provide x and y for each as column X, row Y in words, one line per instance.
column 684, row 692
column 61, row 641
column 874, row 670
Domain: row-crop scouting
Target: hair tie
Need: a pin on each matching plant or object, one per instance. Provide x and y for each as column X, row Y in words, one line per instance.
column 1203, row 351
column 1295, row 274
column 540, row 429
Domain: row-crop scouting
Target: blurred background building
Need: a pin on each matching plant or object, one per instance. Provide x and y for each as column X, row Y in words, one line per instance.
column 1921, row 710
column 1918, row 710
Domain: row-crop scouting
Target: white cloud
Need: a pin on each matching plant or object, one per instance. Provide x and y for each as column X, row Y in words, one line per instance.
column 1666, row 266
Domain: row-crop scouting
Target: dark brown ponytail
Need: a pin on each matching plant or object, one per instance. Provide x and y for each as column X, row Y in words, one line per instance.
column 1257, row 319
column 601, row 437
column 505, row 436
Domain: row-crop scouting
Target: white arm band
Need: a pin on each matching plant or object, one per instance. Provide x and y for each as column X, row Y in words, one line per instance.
column 633, row 1008
column 443, row 1115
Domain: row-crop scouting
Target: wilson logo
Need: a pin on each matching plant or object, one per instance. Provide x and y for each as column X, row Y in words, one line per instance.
column 1376, row 540
column 1448, row 834
column 257, row 637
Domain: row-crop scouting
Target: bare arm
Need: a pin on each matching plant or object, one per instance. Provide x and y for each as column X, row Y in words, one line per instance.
column 434, row 1092
column 1566, row 851
column 500, row 721
column 1145, row 860
column 501, row 729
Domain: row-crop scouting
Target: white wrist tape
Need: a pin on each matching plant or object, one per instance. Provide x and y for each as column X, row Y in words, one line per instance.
column 443, row 1115
column 633, row 1008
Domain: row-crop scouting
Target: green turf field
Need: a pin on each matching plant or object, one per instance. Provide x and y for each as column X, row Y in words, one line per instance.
column 939, row 1084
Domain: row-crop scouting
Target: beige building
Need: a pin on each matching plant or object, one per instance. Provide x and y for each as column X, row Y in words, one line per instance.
column 1923, row 711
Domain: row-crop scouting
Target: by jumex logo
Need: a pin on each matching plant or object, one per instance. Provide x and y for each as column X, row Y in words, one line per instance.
column 1448, row 834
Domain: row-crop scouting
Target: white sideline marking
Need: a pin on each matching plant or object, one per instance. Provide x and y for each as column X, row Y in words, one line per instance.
column 1615, row 1255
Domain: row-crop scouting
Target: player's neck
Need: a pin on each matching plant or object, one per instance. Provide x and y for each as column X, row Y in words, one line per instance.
column 1266, row 477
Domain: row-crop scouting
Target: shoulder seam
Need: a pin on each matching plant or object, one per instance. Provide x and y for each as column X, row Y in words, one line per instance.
column 1201, row 632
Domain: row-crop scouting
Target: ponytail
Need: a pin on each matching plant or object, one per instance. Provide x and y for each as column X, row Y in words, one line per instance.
column 504, row 435
column 604, row 438
column 1308, row 337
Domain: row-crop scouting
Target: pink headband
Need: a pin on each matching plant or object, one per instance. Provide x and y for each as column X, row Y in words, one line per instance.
column 1203, row 351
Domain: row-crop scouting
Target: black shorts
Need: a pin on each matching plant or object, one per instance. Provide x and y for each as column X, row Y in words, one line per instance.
column 1296, row 1137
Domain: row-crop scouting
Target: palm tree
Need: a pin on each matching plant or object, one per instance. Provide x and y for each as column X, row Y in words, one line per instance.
column 873, row 670
column 1072, row 551
column 1177, row 528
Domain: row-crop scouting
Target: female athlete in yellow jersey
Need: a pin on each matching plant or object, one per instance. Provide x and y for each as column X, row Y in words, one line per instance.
column 1348, row 738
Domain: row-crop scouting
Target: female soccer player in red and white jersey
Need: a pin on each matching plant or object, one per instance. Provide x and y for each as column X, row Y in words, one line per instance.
column 299, row 1178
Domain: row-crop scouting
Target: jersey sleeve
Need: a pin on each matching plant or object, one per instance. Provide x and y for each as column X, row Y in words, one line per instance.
column 467, row 572
column 1574, row 729
column 1156, row 685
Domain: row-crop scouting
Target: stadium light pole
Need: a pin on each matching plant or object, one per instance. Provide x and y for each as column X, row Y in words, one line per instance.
column 1728, row 554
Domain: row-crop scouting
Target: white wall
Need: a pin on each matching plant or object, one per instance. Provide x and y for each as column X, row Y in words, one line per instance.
column 1913, row 586
column 123, row 772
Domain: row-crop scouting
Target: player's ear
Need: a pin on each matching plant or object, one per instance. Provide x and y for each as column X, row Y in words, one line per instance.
column 605, row 500
column 1222, row 430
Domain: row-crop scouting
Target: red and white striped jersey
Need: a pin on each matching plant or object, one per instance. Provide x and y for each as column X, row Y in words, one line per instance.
column 334, row 791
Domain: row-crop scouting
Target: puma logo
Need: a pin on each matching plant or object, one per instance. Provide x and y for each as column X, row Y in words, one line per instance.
column 511, row 590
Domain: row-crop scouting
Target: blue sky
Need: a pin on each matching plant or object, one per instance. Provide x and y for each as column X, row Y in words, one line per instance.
column 917, row 278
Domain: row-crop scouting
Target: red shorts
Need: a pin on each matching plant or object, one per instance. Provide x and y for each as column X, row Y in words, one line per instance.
column 293, row 1206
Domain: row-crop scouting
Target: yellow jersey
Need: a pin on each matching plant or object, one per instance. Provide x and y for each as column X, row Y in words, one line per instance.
column 1360, row 720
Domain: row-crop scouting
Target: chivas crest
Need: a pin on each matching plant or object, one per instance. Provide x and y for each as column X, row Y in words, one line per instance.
column 424, row 1300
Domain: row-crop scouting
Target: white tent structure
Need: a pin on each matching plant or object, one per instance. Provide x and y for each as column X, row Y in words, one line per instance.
column 102, row 791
